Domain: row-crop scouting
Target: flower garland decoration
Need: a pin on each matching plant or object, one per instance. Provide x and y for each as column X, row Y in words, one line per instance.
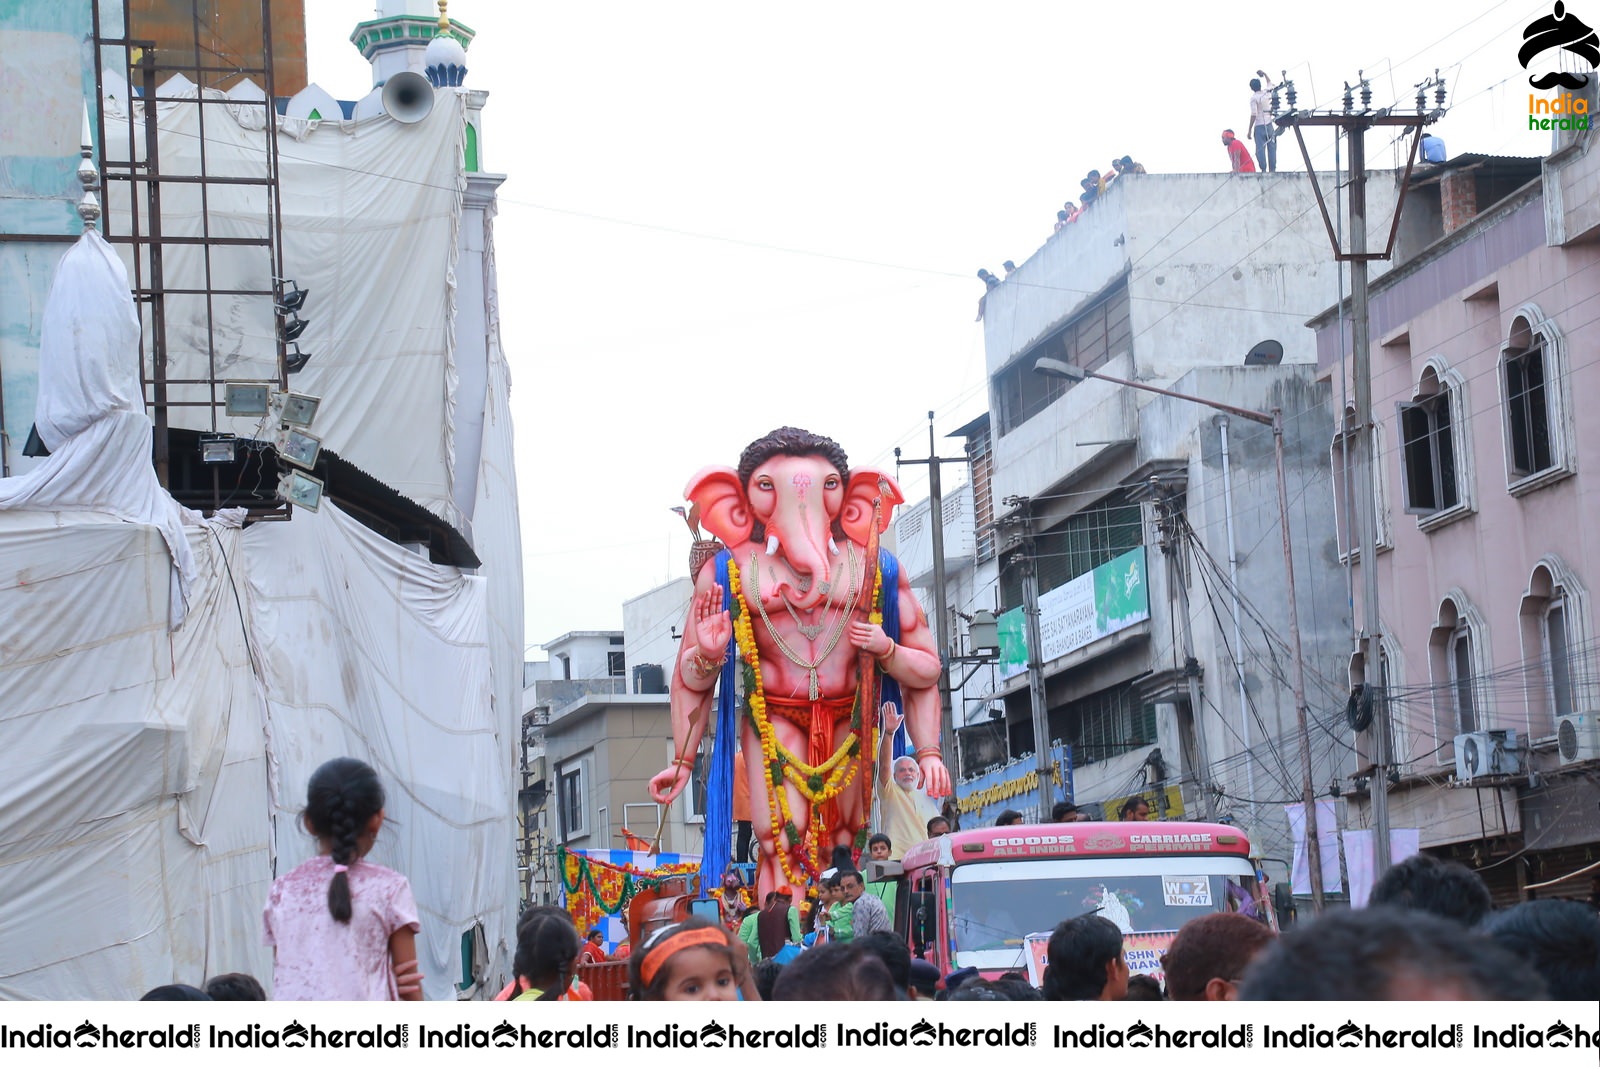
column 596, row 889
column 818, row 784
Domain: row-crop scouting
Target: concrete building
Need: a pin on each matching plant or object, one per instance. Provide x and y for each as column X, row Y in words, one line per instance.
column 593, row 738
column 1155, row 526
column 1482, row 360
column 651, row 627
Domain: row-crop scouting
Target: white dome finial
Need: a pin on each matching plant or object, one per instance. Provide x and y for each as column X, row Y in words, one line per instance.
column 445, row 61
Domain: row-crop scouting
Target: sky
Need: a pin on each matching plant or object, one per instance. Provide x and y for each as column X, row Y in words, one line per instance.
column 720, row 218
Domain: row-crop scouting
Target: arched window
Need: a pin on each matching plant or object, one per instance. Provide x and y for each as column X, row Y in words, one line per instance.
column 1554, row 618
column 1436, row 451
column 1345, row 456
column 1537, row 415
column 1458, row 653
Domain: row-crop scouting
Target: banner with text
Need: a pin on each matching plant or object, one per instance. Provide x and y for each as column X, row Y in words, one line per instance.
column 1112, row 597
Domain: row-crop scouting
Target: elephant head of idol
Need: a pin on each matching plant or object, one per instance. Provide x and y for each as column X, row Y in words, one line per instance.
column 794, row 498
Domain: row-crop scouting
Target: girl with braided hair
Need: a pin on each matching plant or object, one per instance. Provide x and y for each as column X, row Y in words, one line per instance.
column 340, row 927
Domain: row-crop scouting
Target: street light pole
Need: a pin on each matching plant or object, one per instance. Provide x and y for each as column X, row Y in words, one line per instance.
column 1061, row 369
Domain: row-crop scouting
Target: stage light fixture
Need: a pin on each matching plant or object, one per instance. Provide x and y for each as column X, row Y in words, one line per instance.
column 299, row 447
column 301, row 490
column 247, row 399
column 299, row 409
column 291, row 297
column 217, row 447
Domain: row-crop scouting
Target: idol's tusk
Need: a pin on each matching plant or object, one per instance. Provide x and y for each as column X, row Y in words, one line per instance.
column 772, row 544
column 833, row 546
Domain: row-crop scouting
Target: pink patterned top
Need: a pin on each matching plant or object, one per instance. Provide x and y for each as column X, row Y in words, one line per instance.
column 316, row 957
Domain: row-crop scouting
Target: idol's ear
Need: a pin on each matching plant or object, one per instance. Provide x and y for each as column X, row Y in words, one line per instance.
column 724, row 510
column 865, row 486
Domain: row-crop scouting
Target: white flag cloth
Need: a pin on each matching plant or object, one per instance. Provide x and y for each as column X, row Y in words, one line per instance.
column 1360, row 862
column 1327, row 839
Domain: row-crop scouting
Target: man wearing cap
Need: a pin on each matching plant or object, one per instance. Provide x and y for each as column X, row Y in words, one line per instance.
column 924, row 982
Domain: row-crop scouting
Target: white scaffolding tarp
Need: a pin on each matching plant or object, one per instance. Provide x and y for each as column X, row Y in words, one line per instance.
column 151, row 777
column 371, row 216
column 140, row 825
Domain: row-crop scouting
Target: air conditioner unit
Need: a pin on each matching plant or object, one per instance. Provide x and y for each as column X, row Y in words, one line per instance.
column 1578, row 737
column 1486, row 752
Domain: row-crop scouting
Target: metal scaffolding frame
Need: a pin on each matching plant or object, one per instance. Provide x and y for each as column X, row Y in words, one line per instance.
column 142, row 227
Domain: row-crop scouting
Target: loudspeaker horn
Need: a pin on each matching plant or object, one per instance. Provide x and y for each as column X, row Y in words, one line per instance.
column 408, row 97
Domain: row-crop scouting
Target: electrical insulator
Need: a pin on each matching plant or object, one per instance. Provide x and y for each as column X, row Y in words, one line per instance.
column 1422, row 101
column 1366, row 92
column 1290, row 86
column 1349, row 99
column 1275, row 101
column 1439, row 93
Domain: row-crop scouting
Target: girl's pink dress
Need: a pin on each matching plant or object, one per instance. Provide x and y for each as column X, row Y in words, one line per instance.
column 318, row 958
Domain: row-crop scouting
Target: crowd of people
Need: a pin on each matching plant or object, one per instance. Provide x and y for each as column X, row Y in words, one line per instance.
column 344, row 928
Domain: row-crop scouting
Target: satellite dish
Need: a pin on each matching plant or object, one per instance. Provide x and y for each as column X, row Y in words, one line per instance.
column 1268, row 353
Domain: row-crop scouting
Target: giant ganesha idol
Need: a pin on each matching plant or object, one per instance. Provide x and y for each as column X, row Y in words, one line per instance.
column 797, row 632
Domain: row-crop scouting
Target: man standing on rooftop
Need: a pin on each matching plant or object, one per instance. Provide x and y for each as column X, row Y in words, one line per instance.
column 1266, row 134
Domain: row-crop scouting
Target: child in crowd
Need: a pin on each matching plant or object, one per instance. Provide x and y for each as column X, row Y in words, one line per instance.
column 693, row 960
column 340, row 927
column 547, row 954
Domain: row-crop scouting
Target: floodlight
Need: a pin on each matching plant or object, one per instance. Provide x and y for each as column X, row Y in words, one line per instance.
column 300, row 448
column 295, row 360
column 299, row 409
column 217, row 447
column 291, row 297
column 248, row 399
column 292, row 329
column 301, row 490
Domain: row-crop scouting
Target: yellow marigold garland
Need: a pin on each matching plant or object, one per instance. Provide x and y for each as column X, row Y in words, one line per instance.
column 818, row 784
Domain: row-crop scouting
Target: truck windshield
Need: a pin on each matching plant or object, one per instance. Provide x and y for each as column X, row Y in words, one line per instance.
column 995, row 906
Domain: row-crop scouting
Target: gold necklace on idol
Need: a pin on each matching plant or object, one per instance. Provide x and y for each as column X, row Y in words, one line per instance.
column 832, row 643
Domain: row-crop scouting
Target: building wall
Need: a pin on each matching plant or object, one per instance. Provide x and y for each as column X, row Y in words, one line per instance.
column 626, row 740
column 587, row 653
column 1488, row 555
column 1214, row 264
column 46, row 78
column 649, row 622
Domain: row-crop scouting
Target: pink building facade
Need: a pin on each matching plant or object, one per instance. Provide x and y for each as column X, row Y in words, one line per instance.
column 1486, row 390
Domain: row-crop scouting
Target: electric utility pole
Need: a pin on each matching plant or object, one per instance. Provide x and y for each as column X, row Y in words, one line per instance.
column 1354, row 122
column 1027, row 559
column 947, row 729
column 1172, row 544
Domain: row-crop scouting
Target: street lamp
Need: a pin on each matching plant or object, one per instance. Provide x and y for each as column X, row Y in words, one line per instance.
column 1056, row 368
